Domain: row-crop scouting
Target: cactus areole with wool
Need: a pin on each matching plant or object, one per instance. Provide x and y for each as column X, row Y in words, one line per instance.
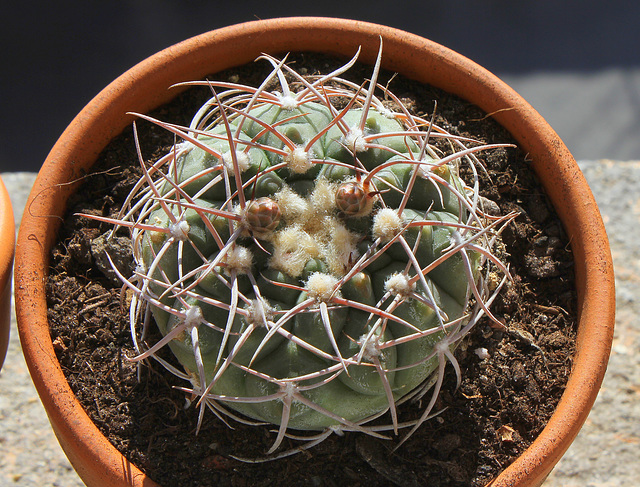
column 310, row 255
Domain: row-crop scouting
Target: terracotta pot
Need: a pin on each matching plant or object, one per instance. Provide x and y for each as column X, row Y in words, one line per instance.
column 144, row 87
column 7, row 247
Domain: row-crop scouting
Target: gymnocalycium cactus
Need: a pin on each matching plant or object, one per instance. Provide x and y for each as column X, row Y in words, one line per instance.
column 310, row 258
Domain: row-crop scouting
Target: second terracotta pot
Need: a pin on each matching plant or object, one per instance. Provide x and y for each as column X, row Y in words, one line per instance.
column 7, row 246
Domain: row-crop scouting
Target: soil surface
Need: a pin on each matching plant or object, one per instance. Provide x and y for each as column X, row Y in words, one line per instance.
column 503, row 403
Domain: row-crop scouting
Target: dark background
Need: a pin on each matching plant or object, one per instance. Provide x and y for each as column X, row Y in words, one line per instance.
column 577, row 62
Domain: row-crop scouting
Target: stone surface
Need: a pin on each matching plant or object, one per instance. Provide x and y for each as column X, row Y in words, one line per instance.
column 607, row 449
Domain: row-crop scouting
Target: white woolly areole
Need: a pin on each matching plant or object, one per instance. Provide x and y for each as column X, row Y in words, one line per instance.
column 193, row 317
column 430, row 167
column 424, row 169
column 443, row 345
column 244, row 162
column 354, row 140
column 238, row 258
column 399, row 284
column 385, row 112
column 259, row 311
column 179, row 230
column 456, row 238
column 386, row 224
column 291, row 204
column 298, row 160
column 290, row 389
column 323, row 197
column 182, row 148
column 371, row 349
column 287, row 102
column 342, row 250
column 292, row 248
column 320, row 286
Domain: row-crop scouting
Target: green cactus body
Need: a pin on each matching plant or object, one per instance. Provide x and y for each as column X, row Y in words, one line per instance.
column 357, row 392
column 338, row 277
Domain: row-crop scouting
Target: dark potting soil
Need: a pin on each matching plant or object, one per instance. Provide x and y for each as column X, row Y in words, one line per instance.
column 501, row 406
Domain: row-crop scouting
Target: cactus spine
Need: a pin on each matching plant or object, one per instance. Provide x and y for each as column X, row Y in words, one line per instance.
column 309, row 256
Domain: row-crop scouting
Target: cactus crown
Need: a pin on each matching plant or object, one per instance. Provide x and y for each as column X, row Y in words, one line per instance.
column 309, row 256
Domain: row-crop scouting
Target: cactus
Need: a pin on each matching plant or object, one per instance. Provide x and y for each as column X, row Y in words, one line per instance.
column 310, row 256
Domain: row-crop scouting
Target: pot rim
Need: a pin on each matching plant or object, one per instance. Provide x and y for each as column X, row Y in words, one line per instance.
column 414, row 57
